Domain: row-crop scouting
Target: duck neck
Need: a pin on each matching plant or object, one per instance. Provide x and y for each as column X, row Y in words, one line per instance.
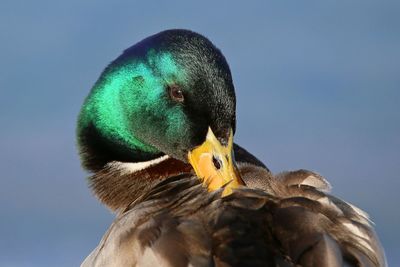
column 119, row 184
column 97, row 150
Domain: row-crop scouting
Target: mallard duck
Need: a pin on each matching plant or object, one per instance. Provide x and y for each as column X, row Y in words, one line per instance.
column 156, row 132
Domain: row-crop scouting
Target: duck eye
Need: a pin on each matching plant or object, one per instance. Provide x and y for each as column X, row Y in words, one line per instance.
column 175, row 93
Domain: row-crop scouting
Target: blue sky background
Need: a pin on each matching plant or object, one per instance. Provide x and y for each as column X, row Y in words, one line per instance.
column 318, row 87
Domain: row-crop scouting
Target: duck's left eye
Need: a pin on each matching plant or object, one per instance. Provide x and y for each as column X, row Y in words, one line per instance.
column 176, row 93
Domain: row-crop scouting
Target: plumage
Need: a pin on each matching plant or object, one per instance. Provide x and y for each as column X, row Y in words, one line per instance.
column 179, row 223
column 168, row 214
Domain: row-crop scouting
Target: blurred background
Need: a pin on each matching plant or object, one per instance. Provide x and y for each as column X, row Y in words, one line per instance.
column 318, row 87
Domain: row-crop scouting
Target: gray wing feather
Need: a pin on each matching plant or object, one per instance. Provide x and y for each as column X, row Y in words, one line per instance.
column 287, row 220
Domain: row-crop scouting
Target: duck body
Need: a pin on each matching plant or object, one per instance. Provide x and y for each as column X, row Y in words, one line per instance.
column 290, row 220
column 156, row 132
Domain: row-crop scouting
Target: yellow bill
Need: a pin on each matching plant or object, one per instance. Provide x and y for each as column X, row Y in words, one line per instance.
column 214, row 164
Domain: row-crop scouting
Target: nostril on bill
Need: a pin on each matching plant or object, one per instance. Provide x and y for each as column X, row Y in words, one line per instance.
column 217, row 162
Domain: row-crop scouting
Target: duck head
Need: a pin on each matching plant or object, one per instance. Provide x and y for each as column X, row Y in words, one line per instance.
column 170, row 94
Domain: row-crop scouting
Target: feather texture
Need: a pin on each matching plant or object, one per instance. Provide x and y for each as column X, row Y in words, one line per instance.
column 289, row 222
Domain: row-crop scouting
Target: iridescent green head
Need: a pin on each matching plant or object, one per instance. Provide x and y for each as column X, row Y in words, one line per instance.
column 159, row 97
